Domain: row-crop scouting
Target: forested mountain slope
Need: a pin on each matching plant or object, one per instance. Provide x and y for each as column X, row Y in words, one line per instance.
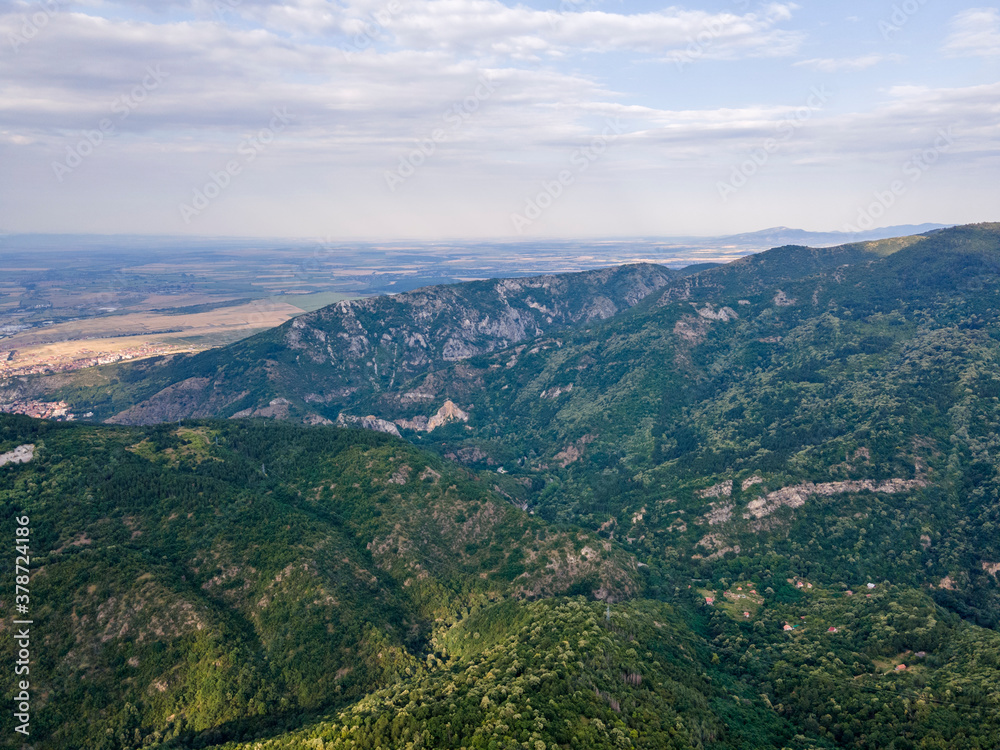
column 267, row 585
column 316, row 363
column 891, row 671
column 214, row 574
column 338, row 357
column 845, row 421
column 763, row 406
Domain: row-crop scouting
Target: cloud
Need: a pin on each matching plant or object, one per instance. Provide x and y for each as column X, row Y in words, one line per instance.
column 491, row 28
column 906, row 121
column 837, row 64
column 366, row 81
column 221, row 83
column 365, row 108
column 974, row 32
column 421, row 57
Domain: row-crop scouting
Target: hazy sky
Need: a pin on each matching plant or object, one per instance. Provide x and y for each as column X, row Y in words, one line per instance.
column 478, row 118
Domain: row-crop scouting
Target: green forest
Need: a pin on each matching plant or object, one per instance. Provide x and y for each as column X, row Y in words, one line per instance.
column 756, row 506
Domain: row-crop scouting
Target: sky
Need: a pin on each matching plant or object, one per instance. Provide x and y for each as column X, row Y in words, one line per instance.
column 427, row 119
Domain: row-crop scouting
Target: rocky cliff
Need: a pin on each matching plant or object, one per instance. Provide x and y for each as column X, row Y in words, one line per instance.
column 341, row 354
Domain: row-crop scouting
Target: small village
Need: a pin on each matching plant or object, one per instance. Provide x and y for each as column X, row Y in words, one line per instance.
column 56, row 410
column 13, row 365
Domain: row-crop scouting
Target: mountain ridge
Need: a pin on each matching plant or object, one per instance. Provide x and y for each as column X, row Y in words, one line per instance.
column 322, row 359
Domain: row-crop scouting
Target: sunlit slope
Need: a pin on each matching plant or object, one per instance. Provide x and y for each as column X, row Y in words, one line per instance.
column 214, row 574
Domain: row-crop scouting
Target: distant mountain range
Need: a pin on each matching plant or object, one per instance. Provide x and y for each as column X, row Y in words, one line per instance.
column 777, row 236
column 759, row 240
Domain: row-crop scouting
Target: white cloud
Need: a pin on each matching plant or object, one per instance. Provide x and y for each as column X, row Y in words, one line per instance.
column 836, row 64
column 354, row 115
column 489, row 27
column 223, row 78
column 974, row 32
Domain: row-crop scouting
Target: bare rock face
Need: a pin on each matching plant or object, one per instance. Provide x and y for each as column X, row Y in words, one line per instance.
column 726, row 314
column 355, row 349
column 716, row 545
column 796, row 495
column 451, row 323
column 574, row 451
column 691, row 330
column 447, row 413
column 417, row 424
column 723, row 489
column 22, row 454
column 193, row 397
column 276, row 409
column 783, row 300
column 401, row 475
column 721, row 512
column 369, row 423
column 553, row 393
column 316, row 419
